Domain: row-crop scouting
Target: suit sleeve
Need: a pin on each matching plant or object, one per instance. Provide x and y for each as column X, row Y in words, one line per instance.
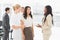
column 48, row 23
column 6, row 22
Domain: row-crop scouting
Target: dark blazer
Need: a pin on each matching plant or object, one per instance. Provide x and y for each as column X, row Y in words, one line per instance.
column 5, row 23
column 0, row 23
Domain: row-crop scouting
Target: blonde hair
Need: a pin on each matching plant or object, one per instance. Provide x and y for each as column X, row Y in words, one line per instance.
column 16, row 6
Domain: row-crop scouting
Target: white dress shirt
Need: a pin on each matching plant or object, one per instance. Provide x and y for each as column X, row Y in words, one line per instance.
column 28, row 22
column 15, row 20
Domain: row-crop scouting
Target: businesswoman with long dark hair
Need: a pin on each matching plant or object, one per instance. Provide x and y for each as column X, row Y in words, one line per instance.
column 27, row 23
column 47, row 22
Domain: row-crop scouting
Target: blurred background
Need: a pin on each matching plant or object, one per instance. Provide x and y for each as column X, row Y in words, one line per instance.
column 37, row 11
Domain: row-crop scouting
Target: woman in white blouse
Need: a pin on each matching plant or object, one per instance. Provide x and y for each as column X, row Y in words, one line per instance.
column 47, row 22
column 27, row 23
column 16, row 24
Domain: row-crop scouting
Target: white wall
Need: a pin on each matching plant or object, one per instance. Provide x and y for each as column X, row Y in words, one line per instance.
column 35, row 4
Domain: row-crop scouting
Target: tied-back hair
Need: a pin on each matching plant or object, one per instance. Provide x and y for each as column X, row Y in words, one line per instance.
column 49, row 11
column 17, row 6
column 25, row 12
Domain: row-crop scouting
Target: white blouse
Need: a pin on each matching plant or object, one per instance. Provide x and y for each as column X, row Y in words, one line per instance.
column 28, row 22
column 15, row 19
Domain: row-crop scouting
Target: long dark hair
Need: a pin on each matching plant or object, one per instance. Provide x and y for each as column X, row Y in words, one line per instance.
column 49, row 11
column 25, row 12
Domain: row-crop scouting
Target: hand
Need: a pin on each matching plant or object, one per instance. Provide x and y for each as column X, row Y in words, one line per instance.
column 23, row 35
column 38, row 25
column 22, row 27
column 14, row 27
column 33, row 34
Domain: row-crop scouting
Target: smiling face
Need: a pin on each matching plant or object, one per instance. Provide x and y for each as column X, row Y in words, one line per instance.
column 28, row 10
column 22, row 9
column 45, row 10
column 17, row 8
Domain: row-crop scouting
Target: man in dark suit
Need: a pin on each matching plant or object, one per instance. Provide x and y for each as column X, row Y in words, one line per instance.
column 5, row 24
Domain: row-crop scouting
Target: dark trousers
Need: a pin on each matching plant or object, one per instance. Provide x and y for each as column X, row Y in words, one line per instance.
column 6, row 35
column 28, row 33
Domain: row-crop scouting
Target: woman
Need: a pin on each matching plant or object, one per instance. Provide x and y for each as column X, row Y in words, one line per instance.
column 47, row 22
column 16, row 24
column 27, row 23
column 22, row 9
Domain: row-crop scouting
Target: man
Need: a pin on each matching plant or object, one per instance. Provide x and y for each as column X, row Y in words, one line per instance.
column 6, row 25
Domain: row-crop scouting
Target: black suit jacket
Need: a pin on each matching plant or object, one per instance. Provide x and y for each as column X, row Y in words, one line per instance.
column 5, row 23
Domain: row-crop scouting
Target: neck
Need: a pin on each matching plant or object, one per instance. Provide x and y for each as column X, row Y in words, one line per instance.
column 28, row 16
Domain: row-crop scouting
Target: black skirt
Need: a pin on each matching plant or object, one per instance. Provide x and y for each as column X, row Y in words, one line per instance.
column 28, row 33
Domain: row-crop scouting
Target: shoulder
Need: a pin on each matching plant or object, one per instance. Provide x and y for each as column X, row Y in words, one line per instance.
column 5, row 15
column 49, row 16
